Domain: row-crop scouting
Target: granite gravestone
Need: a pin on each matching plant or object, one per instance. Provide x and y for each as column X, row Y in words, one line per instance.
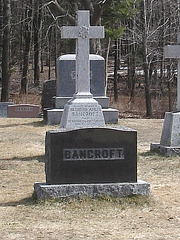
column 84, row 157
column 48, row 94
column 66, row 88
column 23, row 111
column 3, row 108
column 170, row 138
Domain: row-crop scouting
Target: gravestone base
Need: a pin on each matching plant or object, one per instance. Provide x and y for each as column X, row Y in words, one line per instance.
column 59, row 191
column 60, row 102
column 53, row 116
column 82, row 112
column 170, row 139
column 165, row 150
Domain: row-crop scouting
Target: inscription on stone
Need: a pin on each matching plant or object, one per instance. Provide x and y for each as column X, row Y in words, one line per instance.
column 93, row 154
column 23, row 109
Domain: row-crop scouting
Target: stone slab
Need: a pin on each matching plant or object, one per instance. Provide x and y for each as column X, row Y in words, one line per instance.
column 53, row 116
column 48, row 92
column 91, row 155
column 23, row 111
column 45, row 191
column 171, row 130
column 3, row 108
column 66, row 76
column 165, row 150
column 60, row 102
column 82, row 113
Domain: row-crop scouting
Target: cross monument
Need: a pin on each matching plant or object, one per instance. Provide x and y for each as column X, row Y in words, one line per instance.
column 173, row 51
column 83, row 32
column 82, row 110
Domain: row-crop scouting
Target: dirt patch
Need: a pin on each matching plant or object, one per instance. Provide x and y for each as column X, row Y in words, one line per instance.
column 21, row 164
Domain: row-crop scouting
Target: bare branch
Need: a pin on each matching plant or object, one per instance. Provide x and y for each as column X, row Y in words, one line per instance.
column 57, row 10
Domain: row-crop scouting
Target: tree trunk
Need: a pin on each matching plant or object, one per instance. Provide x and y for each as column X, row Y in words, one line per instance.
column 6, row 51
column 146, row 62
column 49, row 52
column 27, row 38
column 115, row 71
column 1, row 30
column 106, row 66
column 37, row 26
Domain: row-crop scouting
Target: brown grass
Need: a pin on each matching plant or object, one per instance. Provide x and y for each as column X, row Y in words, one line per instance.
column 22, row 217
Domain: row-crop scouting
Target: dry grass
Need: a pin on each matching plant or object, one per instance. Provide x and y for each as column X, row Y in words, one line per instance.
column 21, row 164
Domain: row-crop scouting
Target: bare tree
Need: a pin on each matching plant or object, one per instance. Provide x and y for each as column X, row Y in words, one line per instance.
column 27, row 41
column 5, row 51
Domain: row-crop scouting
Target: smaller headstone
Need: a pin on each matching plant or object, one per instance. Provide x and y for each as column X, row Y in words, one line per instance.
column 48, row 92
column 23, row 111
column 170, row 138
column 3, row 108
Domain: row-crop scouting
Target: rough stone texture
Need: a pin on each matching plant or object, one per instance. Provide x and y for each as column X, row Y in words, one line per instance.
column 44, row 191
column 165, row 150
column 82, row 113
column 93, row 168
column 4, row 107
column 23, row 111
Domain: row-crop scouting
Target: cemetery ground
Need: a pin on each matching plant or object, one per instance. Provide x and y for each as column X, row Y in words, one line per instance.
column 23, row 217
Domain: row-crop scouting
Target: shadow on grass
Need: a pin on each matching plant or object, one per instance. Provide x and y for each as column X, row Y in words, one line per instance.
column 151, row 153
column 125, row 202
column 39, row 158
column 33, row 124
column 25, row 202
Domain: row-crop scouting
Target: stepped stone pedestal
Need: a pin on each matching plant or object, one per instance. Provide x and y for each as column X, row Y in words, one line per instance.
column 66, row 88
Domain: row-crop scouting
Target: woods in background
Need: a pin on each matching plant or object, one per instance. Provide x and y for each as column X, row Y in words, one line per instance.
column 136, row 33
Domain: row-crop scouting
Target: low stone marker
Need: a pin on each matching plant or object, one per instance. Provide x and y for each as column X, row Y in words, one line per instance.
column 23, row 111
column 170, row 138
column 3, row 108
column 83, row 157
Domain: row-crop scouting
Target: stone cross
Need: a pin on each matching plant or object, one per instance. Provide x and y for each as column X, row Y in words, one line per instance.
column 83, row 32
column 173, row 51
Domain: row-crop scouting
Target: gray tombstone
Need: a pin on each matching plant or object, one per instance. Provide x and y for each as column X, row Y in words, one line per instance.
column 170, row 138
column 4, row 107
column 48, row 92
column 66, row 76
column 48, row 97
column 83, row 157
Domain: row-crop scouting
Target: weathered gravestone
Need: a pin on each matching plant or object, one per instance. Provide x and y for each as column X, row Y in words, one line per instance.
column 170, row 138
column 84, row 157
column 3, row 108
column 23, row 111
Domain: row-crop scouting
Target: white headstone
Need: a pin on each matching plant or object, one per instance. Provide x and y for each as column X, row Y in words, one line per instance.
column 82, row 111
column 173, row 51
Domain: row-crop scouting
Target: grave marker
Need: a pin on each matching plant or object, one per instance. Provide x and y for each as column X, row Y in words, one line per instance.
column 23, row 111
column 3, row 108
column 170, row 138
column 83, row 158
column 82, row 100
